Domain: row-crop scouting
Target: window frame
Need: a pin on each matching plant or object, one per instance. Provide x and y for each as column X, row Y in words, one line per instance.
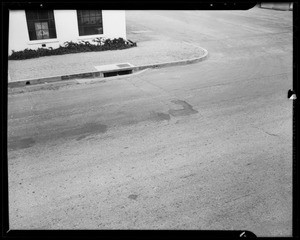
column 34, row 17
column 82, row 15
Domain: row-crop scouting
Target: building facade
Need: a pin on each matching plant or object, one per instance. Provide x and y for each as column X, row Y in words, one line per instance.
column 34, row 29
column 284, row 6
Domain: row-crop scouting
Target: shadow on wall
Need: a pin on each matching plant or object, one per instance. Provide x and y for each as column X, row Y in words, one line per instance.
column 283, row 6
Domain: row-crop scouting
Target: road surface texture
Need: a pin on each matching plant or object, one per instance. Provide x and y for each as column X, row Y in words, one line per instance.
column 204, row 146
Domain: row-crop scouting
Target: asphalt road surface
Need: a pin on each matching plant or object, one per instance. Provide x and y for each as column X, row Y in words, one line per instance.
column 204, row 146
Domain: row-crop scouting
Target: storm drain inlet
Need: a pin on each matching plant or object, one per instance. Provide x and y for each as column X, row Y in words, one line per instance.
column 115, row 69
column 117, row 73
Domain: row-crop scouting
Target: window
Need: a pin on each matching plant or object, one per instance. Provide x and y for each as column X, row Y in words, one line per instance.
column 89, row 22
column 40, row 24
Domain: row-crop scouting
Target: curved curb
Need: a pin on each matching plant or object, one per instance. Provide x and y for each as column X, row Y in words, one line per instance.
column 174, row 63
column 100, row 74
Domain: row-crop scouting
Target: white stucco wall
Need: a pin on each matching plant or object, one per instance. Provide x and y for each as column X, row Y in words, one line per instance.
column 17, row 32
column 114, row 26
column 284, row 6
column 66, row 25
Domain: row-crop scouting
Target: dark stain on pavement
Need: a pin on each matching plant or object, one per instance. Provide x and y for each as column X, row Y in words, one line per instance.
column 187, row 109
column 81, row 137
column 133, row 196
column 87, row 130
column 158, row 116
column 21, row 143
column 163, row 116
column 190, row 175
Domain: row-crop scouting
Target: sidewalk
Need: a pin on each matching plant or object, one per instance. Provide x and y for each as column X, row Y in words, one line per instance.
column 146, row 53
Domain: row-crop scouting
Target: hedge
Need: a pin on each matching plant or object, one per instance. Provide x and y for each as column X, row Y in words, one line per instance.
column 100, row 44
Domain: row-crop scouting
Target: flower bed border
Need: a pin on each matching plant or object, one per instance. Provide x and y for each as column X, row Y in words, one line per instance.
column 99, row 44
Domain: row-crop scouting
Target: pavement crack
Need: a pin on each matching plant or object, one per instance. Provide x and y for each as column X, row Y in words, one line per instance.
column 237, row 81
column 271, row 134
column 162, row 89
column 231, row 200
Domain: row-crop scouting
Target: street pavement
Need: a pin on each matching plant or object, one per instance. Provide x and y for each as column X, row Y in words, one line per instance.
column 206, row 146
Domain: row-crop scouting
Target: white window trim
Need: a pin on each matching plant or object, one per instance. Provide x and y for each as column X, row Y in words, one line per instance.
column 52, row 40
column 89, row 37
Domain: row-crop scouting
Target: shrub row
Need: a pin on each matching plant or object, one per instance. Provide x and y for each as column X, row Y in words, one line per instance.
column 100, row 44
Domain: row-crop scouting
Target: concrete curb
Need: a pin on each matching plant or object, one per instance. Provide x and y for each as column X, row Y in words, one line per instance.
column 100, row 74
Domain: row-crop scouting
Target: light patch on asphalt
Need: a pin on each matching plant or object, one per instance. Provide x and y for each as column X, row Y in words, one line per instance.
column 187, row 109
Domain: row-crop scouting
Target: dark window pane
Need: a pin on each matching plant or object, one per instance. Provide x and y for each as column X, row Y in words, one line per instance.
column 32, row 35
column 85, row 13
column 85, row 21
column 90, row 31
column 99, row 30
column 99, row 20
column 31, row 15
column 43, row 14
column 89, row 22
column 51, row 24
column 81, row 31
column 30, row 25
column 52, row 33
column 51, row 15
column 92, row 20
column 92, row 13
